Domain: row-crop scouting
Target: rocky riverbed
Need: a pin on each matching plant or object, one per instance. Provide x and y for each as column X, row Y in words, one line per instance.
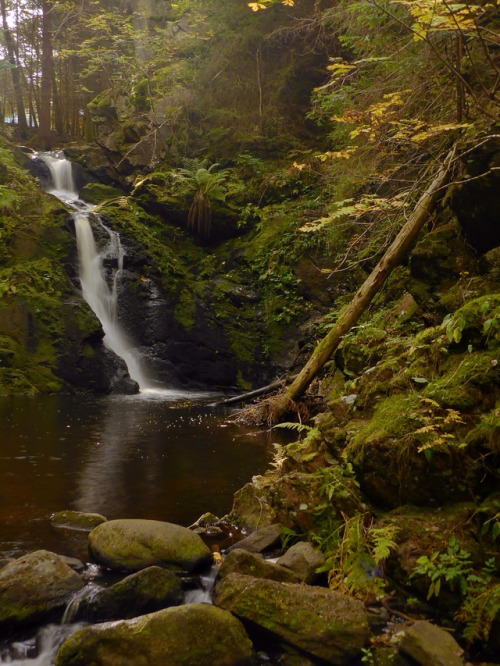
column 271, row 604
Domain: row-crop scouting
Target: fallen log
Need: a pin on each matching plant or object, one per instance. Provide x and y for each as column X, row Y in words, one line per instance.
column 365, row 294
column 244, row 397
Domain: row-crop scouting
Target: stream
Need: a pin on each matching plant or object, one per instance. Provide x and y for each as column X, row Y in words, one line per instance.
column 163, row 454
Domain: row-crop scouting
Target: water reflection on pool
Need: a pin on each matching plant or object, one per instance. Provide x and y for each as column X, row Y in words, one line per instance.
column 146, row 456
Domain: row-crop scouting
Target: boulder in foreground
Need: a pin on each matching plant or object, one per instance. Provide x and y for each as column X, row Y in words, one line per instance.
column 194, row 634
column 142, row 592
column 134, row 544
column 429, row 645
column 323, row 623
column 34, row 586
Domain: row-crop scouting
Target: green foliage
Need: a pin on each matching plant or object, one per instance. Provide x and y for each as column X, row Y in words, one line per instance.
column 480, row 610
column 203, row 185
column 454, row 567
column 296, row 427
column 478, row 590
column 439, row 429
column 356, row 567
column 339, row 481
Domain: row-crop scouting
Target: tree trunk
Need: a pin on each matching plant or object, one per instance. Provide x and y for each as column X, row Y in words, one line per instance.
column 47, row 76
column 402, row 243
column 16, row 76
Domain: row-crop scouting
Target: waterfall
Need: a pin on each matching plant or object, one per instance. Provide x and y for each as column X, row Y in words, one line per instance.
column 101, row 298
column 61, row 171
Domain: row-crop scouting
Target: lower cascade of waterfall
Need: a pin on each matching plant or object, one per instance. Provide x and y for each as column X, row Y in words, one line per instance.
column 101, row 294
column 40, row 650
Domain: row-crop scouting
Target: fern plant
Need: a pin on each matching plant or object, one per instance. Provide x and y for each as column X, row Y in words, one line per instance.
column 357, row 565
column 203, row 185
column 479, row 611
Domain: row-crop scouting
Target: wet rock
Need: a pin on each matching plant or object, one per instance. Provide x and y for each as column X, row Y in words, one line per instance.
column 142, row 592
column 77, row 520
column 244, row 562
column 260, row 540
column 183, row 636
column 321, row 622
column 303, row 559
column 123, row 384
column 34, row 586
column 5, row 561
column 429, row 645
column 206, row 520
column 73, row 562
column 133, row 544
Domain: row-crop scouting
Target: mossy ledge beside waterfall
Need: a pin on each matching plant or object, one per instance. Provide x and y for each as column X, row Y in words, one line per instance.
column 100, row 296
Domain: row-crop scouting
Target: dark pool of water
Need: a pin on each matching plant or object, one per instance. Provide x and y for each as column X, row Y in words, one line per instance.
column 122, row 456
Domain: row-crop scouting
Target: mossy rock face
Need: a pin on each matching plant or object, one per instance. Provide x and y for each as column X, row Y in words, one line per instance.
column 142, row 592
column 470, row 380
column 422, row 532
column 360, row 349
column 47, row 332
column 189, row 635
column 292, row 500
column 437, row 262
column 133, row 544
column 289, row 500
column 393, row 471
column 475, row 199
column 77, row 520
column 251, row 508
column 34, row 586
column 323, row 623
column 95, row 193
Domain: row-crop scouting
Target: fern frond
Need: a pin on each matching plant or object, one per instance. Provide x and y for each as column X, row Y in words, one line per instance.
column 298, row 427
column 383, row 541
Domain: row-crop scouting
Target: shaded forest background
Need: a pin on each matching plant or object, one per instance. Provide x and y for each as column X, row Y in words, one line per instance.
column 259, row 159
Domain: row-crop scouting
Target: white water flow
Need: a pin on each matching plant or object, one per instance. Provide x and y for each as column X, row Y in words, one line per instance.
column 101, row 298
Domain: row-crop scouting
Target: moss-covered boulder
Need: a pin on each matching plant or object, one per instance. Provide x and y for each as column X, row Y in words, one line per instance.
column 133, row 544
column 142, row 592
column 34, row 587
column 321, row 622
column 295, row 500
column 77, row 520
column 184, row 636
column 251, row 564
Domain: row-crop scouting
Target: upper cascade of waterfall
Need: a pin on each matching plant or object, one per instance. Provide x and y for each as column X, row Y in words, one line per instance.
column 99, row 287
column 61, row 172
